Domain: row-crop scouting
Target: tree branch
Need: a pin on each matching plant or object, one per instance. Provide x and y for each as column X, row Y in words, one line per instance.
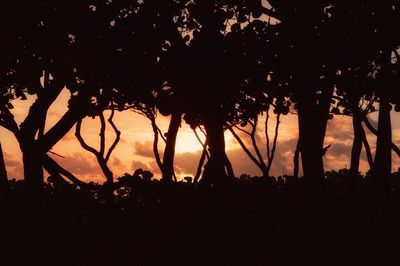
column 270, row 12
column 102, row 134
column 204, row 145
column 117, row 136
column 67, row 121
column 100, row 159
column 267, row 134
column 245, row 149
column 39, row 108
column 255, row 146
column 200, row 165
column 81, row 140
column 375, row 132
column 54, row 168
column 242, row 130
column 155, row 143
column 274, row 142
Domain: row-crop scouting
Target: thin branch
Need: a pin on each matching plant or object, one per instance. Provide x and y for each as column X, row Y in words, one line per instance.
column 367, row 150
column 204, row 145
column 229, row 168
column 367, row 109
column 201, row 163
column 253, row 125
column 155, row 144
column 267, row 134
column 54, row 168
column 102, row 134
column 245, row 149
column 117, row 136
column 56, row 154
column 275, row 141
column 81, row 140
column 255, row 146
column 375, row 132
column 203, row 131
column 242, row 130
column 100, row 159
column 43, row 119
column 161, row 134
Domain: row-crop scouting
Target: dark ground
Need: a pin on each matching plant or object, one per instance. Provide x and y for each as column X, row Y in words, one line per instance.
column 251, row 221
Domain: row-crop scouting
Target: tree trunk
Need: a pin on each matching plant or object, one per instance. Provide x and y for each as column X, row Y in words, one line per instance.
column 296, row 160
column 214, row 171
column 169, row 152
column 383, row 157
column 311, row 142
column 33, row 170
column 4, row 185
column 200, row 166
column 229, row 168
column 357, row 145
column 313, row 118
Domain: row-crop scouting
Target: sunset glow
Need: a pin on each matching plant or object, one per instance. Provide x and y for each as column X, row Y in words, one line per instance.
column 135, row 149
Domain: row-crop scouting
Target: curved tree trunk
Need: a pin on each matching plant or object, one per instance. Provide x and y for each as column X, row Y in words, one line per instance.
column 357, row 145
column 200, row 165
column 229, row 168
column 169, row 152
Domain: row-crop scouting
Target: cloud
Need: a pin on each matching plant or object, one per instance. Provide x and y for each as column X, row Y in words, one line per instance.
column 153, row 167
column 187, row 162
column 338, row 149
column 14, row 167
column 241, row 163
column 80, row 164
column 339, row 129
column 283, row 159
column 139, row 164
column 116, row 162
column 144, row 149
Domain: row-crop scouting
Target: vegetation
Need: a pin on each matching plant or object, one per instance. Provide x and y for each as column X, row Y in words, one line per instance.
column 216, row 65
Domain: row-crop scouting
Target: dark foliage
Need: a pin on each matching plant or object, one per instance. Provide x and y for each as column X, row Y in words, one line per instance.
column 217, row 65
column 251, row 221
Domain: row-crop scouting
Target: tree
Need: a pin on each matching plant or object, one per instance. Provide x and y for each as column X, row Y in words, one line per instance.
column 303, row 64
column 248, row 111
column 369, row 58
column 206, row 70
column 102, row 155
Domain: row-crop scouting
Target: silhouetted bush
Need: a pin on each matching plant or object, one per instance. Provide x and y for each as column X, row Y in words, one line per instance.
column 251, row 221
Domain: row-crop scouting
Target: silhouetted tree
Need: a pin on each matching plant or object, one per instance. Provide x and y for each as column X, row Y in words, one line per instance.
column 102, row 155
column 35, row 51
column 209, row 59
column 304, row 64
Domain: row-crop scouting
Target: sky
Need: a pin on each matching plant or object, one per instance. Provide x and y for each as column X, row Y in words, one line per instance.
column 135, row 147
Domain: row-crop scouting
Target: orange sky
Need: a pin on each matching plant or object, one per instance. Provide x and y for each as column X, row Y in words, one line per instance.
column 135, row 148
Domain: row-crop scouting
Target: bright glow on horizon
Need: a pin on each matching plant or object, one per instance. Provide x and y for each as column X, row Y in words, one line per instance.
column 135, row 148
